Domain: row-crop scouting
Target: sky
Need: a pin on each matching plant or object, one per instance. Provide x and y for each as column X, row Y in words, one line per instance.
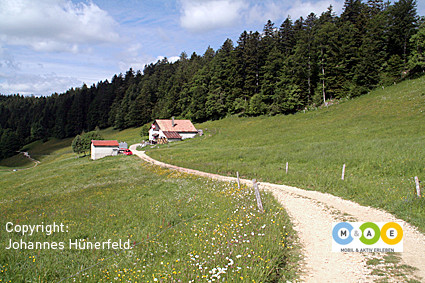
column 49, row 46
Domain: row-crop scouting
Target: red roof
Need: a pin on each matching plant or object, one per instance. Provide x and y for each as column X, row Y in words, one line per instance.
column 179, row 126
column 104, row 143
column 172, row 135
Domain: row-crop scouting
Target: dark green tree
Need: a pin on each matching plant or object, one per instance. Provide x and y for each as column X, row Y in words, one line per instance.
column 402, row 21
column 86, row 139
column 9, row 143
column 372, row 52
column 417, row 58
column 76, row 145
column 286, row 37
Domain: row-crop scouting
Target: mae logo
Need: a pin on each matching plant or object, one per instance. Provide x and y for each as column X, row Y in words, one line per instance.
column 367, row 237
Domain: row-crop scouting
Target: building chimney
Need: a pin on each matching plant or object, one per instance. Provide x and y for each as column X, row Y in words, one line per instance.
column 172, row 121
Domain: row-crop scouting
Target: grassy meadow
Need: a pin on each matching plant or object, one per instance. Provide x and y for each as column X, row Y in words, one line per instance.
column 187, row 228
column 181, row 228
column 48, row 151
column 380, row 137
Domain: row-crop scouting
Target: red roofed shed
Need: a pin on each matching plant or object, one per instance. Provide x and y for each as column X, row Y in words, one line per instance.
column 101, row 148
column 104, row 143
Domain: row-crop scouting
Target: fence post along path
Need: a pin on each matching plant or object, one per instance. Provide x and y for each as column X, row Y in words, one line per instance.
column 307, row 208
column 418, row 187
column 257, row 196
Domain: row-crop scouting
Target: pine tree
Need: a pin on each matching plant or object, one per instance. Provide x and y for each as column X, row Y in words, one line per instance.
column 372, row 52
column 417, row 58
column 271, row 71
column 286, row 37
column 223, row 72
column 302, row 66
column 248, row 64
column 328, row 47
column 402, row 18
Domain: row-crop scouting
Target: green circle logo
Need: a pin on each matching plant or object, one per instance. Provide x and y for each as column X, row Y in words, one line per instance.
column 375, row 238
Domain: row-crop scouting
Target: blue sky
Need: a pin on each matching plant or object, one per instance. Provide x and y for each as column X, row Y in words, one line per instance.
column 52, row 45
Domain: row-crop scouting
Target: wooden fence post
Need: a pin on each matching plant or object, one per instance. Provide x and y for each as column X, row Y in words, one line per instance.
column 418, row 187
column 287, row 167
column 343, row 172
column 257, row 195
column 239, row 182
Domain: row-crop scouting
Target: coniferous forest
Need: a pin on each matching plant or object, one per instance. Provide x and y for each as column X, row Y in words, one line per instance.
column 280, row 70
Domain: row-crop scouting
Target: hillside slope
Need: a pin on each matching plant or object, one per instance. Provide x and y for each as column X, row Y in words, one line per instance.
column 378, row 136
column 179, row 227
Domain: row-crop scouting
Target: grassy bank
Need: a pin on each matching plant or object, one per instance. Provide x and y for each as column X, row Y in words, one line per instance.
column 180, row 227
column 17, row 161
column 379, row 136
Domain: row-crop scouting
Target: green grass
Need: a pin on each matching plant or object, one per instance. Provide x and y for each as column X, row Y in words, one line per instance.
column 131, row 136
column 16, row 161
column 379, row 136
column 388, row 267
column 175, row 219
column 182, row 227
column 48, row 151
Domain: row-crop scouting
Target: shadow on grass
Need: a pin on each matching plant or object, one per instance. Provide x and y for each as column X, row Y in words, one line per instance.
column 39, row 151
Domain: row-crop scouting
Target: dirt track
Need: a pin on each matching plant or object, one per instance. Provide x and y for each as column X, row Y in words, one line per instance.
column 312, row 214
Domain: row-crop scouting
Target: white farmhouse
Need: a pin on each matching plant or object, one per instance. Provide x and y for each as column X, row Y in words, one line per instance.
column 100, row 148
column 172, row 130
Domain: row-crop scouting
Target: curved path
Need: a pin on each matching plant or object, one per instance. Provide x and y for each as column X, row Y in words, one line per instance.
column 312, row 214
column 27, row 155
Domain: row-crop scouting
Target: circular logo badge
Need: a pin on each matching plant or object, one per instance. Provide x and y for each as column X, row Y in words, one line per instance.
column 342, row 233
column 370, row 233
column 391, row 233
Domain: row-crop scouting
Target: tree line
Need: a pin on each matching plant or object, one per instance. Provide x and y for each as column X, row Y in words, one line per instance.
column 280, row 70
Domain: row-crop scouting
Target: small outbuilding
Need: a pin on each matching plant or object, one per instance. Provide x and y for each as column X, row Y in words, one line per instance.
column 102, row 148
column 172, row 130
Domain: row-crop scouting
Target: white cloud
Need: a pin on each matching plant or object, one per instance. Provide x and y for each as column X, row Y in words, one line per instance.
column 7, row 61
column 303, row 9
column 54, row 25
column 199, row 16
column 205, row 15
column 260, row 13
column 28, row 84
column 280, row 10
column 171, row 59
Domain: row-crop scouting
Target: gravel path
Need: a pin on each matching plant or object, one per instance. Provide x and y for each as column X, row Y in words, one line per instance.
column 312, row 214
column 26, row 154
